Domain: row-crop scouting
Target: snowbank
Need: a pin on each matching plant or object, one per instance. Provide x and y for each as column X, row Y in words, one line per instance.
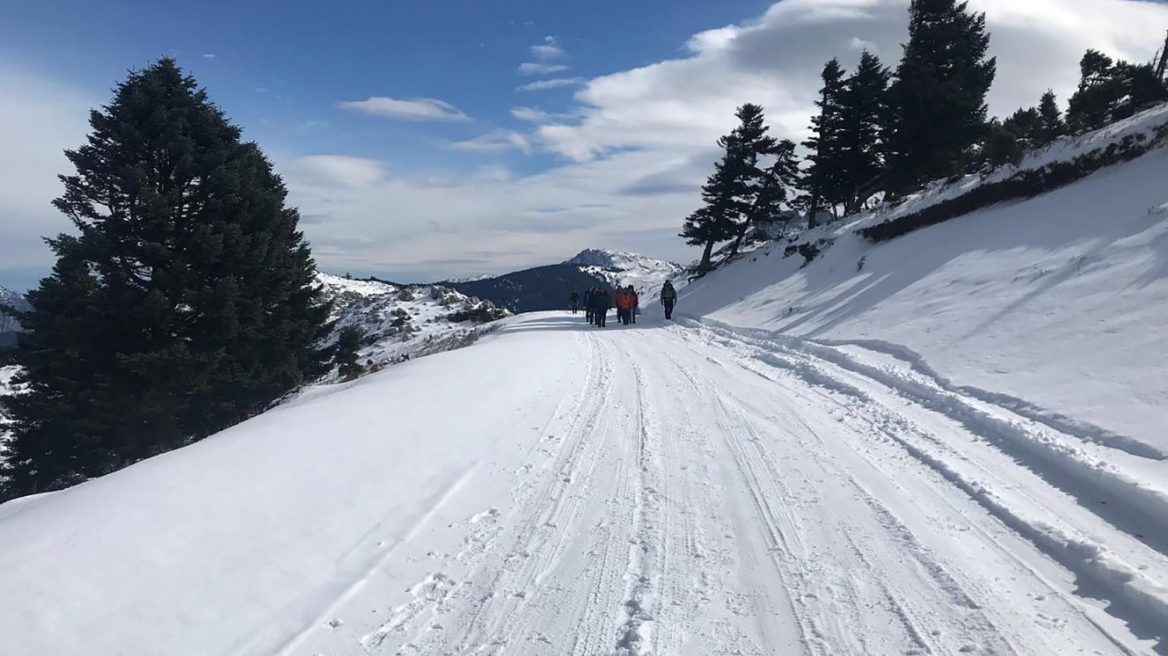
column 1052, row 305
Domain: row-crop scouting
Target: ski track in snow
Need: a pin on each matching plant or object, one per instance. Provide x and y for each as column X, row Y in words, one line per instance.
column 711, row 492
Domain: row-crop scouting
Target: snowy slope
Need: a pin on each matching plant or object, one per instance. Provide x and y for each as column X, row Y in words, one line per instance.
column 648, row 490
column 1053, row 303
column 403, row 321
column 8, row 325
column 644, row 273
column 6, row 387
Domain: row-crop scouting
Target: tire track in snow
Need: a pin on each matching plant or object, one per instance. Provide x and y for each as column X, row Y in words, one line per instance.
column 520, row 593
column 484, row 555
column 1138, row 601
column 966, row 627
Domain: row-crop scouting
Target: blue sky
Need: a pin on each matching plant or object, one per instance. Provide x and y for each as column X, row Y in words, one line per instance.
column 279, row 68
column 410, row 147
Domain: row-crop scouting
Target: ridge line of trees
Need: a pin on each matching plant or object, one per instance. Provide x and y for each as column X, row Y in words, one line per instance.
column 882, row 134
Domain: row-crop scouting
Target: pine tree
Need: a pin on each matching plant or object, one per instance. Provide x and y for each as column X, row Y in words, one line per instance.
column 732, row 193
column 780, row 180
column 824, row 176
column 1004, row 144
column 864, row 124
column 1051, row 119
column 186, row 303
column 345, row 353
column 939, row 95
column 715, row 221
column 1100, row 91
column 752, row 143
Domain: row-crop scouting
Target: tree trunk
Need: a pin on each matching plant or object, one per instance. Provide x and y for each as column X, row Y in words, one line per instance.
column 738, row 241
column 813, row 212
column 706, row 255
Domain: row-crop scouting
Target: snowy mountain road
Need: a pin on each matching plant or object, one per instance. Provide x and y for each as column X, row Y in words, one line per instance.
column 700, row 493
column 651, row 489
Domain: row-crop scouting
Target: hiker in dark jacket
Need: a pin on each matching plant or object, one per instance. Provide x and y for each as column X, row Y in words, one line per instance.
column 574, row 301
column 602, row 303
column 588, row 304
column 668, row 299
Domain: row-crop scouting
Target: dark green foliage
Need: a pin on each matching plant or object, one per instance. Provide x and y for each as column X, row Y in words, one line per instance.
column 939, row 95
column 184, row 304
column 749, row 187
column 345, row 355
column 824, row 179
column 809, row 250
column 865, row 119
column 481, row 313
column 1111, row 91
column 1100, row 91
column 1051, row 123
column 1003, row 145
column 1024, row 184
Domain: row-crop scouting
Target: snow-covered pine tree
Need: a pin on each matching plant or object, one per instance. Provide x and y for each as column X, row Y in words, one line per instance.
column 864, row 128
column 939, row 94
column 185, row 303
column 824, row 176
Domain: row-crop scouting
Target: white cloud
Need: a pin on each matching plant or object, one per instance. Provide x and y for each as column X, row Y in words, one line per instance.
column 538, row 116
column 531, row 114
column 414, row 109
column 39, row 119
column 548, row 49
column 635, row 143
column 209, row 55
column 496, row 141
column 540, row 68
column 860, row 44
column 775, row 61
column 337, row 171
column 554, row 83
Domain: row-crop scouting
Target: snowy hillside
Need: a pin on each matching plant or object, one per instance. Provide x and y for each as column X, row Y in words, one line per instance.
column 646, row 274
column 1052, row 300
column 8, row 325
column 402, row 322
column 6, row 387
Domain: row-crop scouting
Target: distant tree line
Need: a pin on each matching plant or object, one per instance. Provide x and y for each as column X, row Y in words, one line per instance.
column 883, row 133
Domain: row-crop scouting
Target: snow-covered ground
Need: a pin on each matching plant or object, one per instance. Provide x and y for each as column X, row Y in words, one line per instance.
column 657, row 489
column 1053, row 305
column 407, row 321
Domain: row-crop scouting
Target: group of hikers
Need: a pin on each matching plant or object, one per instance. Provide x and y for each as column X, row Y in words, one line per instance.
column 597, row 302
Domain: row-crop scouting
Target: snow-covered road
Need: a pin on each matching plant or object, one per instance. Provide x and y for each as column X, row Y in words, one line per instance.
column 700, row 493
column 653, row 489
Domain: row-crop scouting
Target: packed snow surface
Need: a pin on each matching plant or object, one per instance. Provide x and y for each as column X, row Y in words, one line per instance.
column 657, row 489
